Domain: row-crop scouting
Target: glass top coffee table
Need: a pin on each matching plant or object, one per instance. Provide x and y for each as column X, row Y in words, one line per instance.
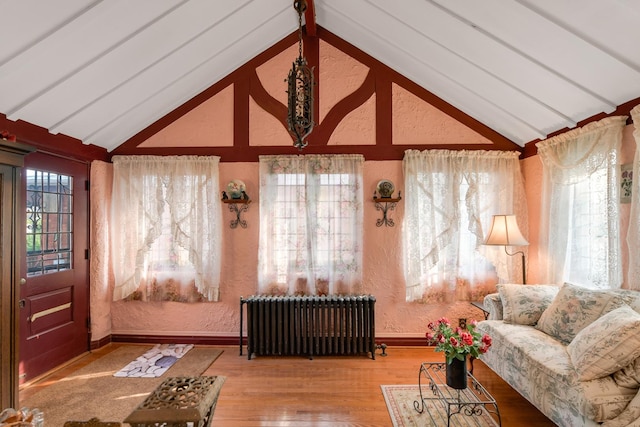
column 472, row 406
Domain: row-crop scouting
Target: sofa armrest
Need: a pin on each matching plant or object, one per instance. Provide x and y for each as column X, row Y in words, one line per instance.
column 493, row 304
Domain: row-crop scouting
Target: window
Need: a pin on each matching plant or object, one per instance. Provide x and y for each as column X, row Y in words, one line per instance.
column 451, row 197
column 579, row 233
column 310, row 224
column 587, row 233
column 166, row 228
column 49, row 222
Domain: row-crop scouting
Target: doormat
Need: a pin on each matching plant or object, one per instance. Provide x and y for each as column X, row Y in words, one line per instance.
column 400, row 398
column 154, row 362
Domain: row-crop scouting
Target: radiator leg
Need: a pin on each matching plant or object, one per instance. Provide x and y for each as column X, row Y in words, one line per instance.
column 241, row 304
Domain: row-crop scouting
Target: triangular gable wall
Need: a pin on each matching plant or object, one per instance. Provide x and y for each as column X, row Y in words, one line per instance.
column 362, row 106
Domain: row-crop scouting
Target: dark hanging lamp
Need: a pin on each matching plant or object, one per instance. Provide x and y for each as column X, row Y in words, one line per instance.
column 300, row 90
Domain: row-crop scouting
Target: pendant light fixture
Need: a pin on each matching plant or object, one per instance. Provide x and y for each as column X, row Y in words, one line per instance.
column 300, row 90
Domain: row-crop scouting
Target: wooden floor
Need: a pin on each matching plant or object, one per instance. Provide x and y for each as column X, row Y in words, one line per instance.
column 325, row 391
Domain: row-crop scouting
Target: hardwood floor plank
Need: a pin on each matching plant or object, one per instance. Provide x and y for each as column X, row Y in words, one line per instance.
column 326, row 391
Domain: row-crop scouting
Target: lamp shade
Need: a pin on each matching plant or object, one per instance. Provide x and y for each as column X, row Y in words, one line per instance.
column 504, row 231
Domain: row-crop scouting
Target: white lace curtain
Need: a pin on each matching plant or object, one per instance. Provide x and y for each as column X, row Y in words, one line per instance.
column 573, row 165
column 166, row 223
column 310, row 225
column 450, row 199
column 633, row 234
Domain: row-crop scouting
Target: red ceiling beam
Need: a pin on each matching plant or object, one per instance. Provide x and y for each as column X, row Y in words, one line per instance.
column 310, row 19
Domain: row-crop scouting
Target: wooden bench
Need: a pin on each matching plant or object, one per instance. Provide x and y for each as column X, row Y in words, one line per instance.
column 179, row 402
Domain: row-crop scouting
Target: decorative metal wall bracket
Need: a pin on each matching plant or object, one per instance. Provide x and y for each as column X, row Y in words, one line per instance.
column 238, row 206
column 386, row 204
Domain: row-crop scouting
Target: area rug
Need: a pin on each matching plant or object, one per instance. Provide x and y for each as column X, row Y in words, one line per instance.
column 93, row 391
column 400, row 398
column 154, row 362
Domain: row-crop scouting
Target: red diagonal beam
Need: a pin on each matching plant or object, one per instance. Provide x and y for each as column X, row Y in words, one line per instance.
column 310, row 19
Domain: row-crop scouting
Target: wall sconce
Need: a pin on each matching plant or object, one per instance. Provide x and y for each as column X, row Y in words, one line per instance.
column 238, row 200
column 382, row 196
column 504, row 231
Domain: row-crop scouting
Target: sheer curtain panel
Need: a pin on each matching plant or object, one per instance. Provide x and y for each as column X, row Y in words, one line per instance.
column 633, row 234
column 451, row 197
column 579, row 221
column 310, row 225
column 166, row 228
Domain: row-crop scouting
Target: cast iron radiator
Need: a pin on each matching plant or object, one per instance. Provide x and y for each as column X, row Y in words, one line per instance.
column 309, row 325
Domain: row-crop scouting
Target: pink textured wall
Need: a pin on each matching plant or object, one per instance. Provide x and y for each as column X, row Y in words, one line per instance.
column 532, row 171
column 210, row 124
column 416, row 122
column 383, row 276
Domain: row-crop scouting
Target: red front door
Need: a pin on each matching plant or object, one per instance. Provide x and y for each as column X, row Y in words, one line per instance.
column 54, row 293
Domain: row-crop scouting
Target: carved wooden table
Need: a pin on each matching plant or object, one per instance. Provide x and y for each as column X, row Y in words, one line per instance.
column 179, row 402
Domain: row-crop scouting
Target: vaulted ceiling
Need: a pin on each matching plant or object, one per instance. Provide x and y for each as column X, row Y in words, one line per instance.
column 103, row 70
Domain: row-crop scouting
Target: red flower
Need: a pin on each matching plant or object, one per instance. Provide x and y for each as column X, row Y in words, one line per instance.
column 444, row 321
column 457, row 342
column 467, row 339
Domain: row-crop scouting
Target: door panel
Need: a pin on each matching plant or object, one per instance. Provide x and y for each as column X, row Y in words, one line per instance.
column 8, row 297
column 54, row 314
column 50, row 310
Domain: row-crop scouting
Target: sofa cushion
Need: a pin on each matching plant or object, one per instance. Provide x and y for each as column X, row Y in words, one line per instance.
column 630, row 417
column 524, row 304
column 573, row 308
column 629, row 376
column 607, row 345
column 631, row 298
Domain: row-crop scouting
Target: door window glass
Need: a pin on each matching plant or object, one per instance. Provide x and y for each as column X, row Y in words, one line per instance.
column 49, row 222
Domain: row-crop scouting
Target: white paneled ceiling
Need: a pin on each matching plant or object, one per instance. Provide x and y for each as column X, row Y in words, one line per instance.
column 103, row 70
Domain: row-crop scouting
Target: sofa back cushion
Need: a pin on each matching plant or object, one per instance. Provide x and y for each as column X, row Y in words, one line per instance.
column 524, row 304
column 631, row 298
column 574, row 308
column 607, row 345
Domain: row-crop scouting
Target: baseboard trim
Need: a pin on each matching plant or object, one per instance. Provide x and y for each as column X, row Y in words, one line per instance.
column 229, row 341
column 168, row 339
column 94, row 345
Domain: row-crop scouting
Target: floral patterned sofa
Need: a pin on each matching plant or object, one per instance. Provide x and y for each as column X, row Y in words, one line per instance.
column 572, row 352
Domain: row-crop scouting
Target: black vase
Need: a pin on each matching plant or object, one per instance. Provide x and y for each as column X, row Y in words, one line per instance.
column 457, row 373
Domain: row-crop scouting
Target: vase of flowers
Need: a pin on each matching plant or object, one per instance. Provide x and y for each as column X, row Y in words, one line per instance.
column 456, row 344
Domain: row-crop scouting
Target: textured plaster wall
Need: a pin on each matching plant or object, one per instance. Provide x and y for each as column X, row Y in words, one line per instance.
column 382, row 262
column 416, row 122
column 383, row 275
column 211, row 124
column 339, row 75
